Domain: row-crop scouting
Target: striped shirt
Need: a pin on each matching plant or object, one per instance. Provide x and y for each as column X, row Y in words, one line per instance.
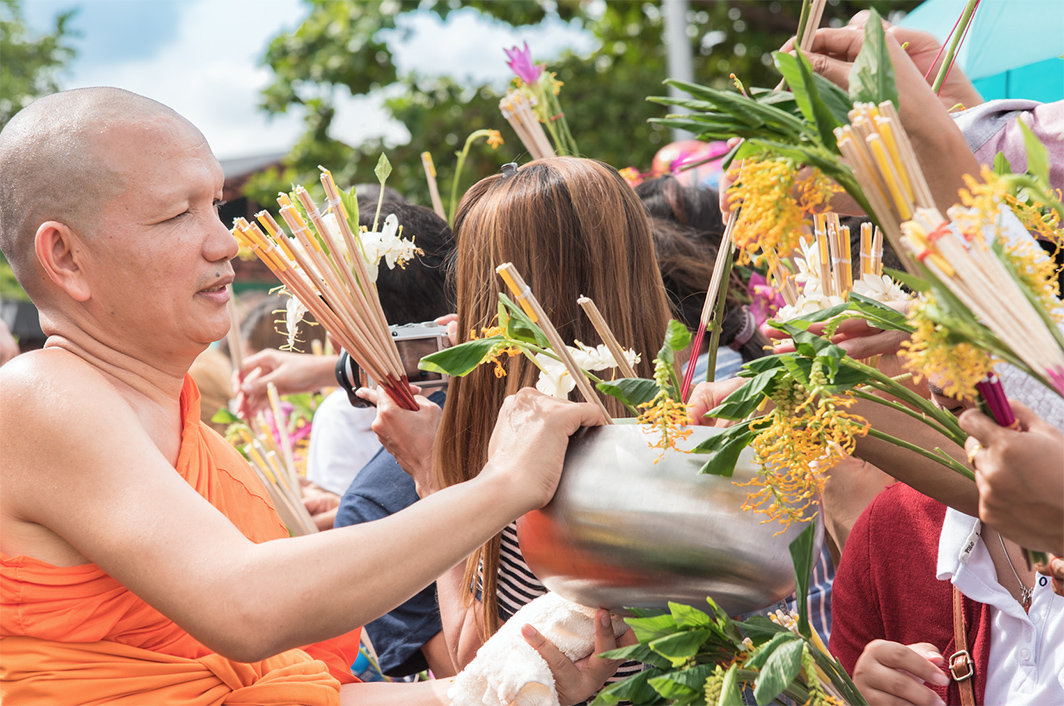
column 518, row 586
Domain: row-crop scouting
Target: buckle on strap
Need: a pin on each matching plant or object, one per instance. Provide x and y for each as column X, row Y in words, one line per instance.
column 961, row 661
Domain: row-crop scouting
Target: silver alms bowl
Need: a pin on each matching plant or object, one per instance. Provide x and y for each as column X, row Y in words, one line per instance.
column 624, row 531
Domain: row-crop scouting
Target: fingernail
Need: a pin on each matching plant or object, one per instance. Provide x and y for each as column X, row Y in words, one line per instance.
column 529, row 632
column 939, row 701
column 604, row 619
column 939, row 679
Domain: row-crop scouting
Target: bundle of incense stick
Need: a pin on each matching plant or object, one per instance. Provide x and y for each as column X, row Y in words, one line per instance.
column 871, row 250
column 330, row 278
column 517, row 109
column 781, row 277
column 280, row 480
column 884, row 164
column 524, row 296
column 970, row 270
column 980, row 280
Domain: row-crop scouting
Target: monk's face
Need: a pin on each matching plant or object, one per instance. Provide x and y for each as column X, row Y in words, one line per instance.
column 159, row 254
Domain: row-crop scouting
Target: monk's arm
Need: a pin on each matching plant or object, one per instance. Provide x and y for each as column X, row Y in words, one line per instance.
column 77, row 463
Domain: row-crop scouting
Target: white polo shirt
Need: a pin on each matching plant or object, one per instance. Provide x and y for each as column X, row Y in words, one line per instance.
column 1026, row 664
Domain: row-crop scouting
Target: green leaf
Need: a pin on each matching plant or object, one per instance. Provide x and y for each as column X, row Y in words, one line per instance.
column 634, row 689
column 880, row 314
column 780, row 669
column 760, row 629
column 744, row 401
column 1037, row 155
column 224, row 416
column 763, row 652
column 350, row 201
column 680, row 646
column 638, row 652
column 872, row 75
column 683, row 684
column 836, row 99
column 730, row 694
column 689, row 617
column 631, row 391
column 383, row 169
column 799, row 74
column 677, row 337
column 518, row 325
column 1001, row 164
column 651, row 628
column 729, row 446
column 458, row 361
column 803, row 558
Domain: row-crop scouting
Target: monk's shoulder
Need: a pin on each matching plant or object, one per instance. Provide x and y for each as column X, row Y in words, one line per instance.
column 50, row 395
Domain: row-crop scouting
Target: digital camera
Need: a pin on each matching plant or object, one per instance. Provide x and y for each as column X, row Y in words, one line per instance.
column 414, row 342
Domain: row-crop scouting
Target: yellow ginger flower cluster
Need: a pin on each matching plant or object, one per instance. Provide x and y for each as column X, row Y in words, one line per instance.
column 665, row 415
column 499, row 350
column 776, row 199
column 805, row 436
column 929, row 353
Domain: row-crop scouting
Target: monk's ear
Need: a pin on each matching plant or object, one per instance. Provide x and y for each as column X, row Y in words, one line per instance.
column 60, row 253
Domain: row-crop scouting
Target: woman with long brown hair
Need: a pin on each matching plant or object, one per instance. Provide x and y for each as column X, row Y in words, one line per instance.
column 571, row 227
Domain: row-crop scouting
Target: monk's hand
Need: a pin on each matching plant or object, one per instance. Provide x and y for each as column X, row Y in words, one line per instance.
column 577, row 681
column 529, row 441
column 892, row 673
column 408, row 435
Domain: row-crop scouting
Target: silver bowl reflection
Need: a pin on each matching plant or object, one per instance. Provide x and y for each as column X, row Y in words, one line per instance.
column 624, row 531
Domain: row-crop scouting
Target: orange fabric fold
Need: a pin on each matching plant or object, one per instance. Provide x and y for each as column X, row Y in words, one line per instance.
column 47, row 672
column 79, row 627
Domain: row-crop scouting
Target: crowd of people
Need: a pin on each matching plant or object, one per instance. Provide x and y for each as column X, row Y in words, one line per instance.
column 123, row 581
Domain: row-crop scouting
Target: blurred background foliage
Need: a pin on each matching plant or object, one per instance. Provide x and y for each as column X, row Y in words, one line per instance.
column 338, row 47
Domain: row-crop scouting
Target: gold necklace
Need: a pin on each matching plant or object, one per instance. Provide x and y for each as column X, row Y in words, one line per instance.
column 1025, row 593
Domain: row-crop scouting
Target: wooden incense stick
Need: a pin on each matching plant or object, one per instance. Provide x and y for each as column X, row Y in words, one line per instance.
column 524, row 296
column 434, row 189
column 606, row 334
column 235, row 340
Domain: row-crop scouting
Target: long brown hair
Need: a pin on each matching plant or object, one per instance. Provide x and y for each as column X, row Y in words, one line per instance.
column 571, row 227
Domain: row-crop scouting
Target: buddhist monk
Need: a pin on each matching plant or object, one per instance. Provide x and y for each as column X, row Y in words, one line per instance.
column 141, row 562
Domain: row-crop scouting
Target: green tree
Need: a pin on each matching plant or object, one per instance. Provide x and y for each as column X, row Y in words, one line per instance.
column 339, row 47
column 29, row 64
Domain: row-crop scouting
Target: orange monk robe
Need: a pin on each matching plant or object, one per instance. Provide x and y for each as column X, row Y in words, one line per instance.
column 74, row 635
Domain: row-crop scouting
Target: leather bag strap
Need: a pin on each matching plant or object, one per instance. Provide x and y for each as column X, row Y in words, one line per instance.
column 961, row 666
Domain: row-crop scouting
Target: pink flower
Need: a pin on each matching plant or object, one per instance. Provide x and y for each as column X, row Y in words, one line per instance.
column 765, row 301
column 520, row 61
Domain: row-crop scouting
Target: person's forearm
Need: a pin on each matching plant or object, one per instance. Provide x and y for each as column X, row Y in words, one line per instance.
column 425, row 693
column 927, row 476
column 460, row 616
column 284, row 577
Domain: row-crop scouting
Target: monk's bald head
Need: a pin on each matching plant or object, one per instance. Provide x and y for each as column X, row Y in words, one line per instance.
column 58, row 163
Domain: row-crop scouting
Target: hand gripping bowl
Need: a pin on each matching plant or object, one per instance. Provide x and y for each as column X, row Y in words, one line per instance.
column 623, row 531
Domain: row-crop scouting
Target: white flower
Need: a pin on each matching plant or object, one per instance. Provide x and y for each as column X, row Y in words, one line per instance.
column 881, row 288
column 376, row 245
column 293, row 315
column 554, row 378
column 807, row 304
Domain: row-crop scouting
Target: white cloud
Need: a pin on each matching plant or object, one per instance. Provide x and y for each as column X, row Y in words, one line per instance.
column 210, row 70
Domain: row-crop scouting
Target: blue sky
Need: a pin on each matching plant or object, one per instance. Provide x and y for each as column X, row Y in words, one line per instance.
column 201, row 57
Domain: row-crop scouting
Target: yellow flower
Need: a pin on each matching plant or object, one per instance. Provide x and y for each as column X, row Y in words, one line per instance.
column 775, row 202
column 665, row 415
column 929, row 352
column 797, row 443
column 632, row 176
column 495, row 356
column 494, row 139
